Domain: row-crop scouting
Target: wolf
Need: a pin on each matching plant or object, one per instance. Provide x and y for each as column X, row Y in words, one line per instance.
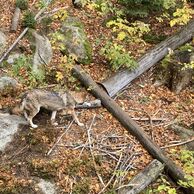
column 34, row 99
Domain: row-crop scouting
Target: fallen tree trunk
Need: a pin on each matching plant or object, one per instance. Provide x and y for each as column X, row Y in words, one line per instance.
column 174, row 171
column 119, row 80
column 139, row 182
column 15, row 19
column 184, row 134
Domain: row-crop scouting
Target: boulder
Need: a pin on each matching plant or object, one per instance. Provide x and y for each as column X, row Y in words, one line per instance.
column 7, row 85
column 75, row 40
column 43, row 53
column 9, row 125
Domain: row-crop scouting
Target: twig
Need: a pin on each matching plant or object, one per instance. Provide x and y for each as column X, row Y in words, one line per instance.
column 148, row 119
column 114, row 173
column 128, row 185
column 90, row 146
column 58, row 140
column 19, row 152
column 51, row 13
column 178, row 144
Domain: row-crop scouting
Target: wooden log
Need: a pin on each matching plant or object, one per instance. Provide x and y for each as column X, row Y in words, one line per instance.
column 143, row 179
column 15, row 19
column 92, row 104
column 121, row 79
column 174, row 171
column 184, row 134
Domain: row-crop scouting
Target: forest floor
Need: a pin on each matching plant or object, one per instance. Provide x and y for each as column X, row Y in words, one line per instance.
column 70, row 164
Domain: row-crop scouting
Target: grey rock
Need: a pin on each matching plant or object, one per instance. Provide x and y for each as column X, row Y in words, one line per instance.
column 2, row 41
column 7, row 82
column 8, row 127
column 12, row 57
column 47, row 187
column 43, row 53
column 75, row 40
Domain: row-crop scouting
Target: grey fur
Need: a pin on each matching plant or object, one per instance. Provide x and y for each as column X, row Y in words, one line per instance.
column 33, row 100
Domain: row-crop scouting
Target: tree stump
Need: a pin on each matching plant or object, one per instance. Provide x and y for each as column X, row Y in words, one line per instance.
column 173, row 72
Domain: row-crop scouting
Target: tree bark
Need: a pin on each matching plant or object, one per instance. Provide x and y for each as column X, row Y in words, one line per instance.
column 15, row 19
column 139, row 182
column 119, row 80
column 184, row 134
column 174, row 171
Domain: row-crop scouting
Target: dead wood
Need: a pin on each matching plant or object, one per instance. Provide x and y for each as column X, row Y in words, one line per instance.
column 15, row 19
column 87, row 105
column 184, row 134
column 143, row 179
column 171, row 168
column 119, row 80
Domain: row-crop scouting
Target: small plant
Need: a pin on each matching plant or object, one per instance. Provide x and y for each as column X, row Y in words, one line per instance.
column 60, row 15
column 64, row 71
column 142, row 8
column 104, row 7
column 44, row 168
column 57, row 39
column 82, row 187
column 133, row 32
column 117, row 56
column 187, row 157
column 22, row 68
column 41, row 4
column 29, row 20
column 22, row 4
column 164, row 187
column 182, row 15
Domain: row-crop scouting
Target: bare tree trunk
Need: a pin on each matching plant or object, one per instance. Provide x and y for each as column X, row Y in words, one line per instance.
column 173, row 170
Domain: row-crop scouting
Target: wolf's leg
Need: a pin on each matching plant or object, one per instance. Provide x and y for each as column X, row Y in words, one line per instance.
column 32, row 114
column 53, row 116
column 76, row 119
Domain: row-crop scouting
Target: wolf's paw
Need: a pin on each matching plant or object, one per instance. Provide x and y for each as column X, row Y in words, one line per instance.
column 55, row 124
column 81, row 124
column 34, row 126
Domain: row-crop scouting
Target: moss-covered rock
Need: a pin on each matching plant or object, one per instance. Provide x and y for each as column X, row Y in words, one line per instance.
column 75, row 40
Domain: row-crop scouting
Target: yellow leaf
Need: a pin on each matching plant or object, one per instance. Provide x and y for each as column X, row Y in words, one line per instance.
column 59, row 76
column 121, row 35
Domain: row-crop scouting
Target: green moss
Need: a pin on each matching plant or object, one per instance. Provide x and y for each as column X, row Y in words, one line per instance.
column 22, row 4
column 29, row 20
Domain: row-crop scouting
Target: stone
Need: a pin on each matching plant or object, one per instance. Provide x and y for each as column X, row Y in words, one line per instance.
column 12, row 57
column 9, row 125
column 43, row 53
column 7, row 82
column 47, row 187
column 75, row 40
column 2, row 41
